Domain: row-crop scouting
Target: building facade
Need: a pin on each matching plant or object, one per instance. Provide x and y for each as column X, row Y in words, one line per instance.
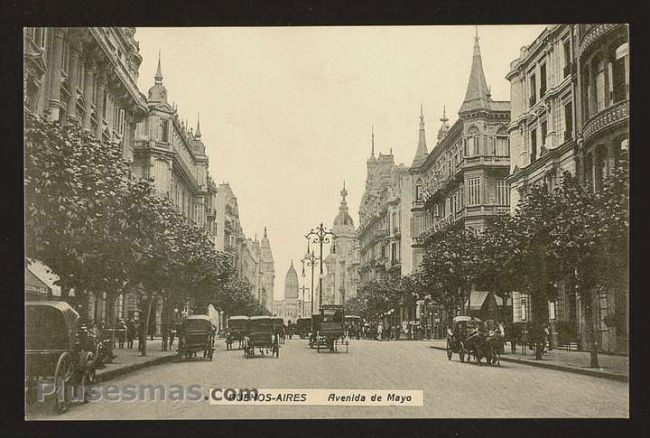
column 289, row 308
column 463, row 180
column 342, row 264
column 86, row 75
column 570, row 94
column 380, row 217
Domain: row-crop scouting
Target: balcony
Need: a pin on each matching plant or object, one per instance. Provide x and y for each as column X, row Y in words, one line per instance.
column 594, row 34
column 610, row 117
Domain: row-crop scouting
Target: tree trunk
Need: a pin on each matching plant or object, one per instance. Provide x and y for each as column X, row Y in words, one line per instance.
column 591, row 331
column 150, row 299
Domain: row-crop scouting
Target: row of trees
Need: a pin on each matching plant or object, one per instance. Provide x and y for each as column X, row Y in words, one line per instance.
column 104, row 232
column 569, row 234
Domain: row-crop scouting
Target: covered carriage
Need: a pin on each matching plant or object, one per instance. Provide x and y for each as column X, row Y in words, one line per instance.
column 196, row 334
column 261, row 336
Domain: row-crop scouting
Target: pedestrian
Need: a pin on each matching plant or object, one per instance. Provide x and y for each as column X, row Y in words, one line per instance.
column 130, row 333
column 152, row 326
column 172, row 334
column 380, row 329
column 546, row 337
column 121, row 333
column 165, row 335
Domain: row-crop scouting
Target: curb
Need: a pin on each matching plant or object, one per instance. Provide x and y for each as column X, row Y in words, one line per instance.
column 111, row 374
column 541, row 364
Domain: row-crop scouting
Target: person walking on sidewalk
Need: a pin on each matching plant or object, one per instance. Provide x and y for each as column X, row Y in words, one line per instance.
column 380, row 329
column 121, row 333
column 130, row 333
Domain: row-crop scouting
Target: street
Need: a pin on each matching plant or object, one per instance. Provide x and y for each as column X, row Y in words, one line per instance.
column 451, row 389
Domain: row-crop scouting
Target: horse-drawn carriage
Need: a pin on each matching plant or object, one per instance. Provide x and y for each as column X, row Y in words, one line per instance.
column 196, row 334
column 236, row 330
column 261, row 335
column 330, row 328
column 60, row 352
column 353, row 326
column 469, row 336
column 303, row 327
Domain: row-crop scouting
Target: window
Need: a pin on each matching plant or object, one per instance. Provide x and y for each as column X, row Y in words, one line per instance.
column 566, row 46
column 600, row 84
column 524, row 313
column 104, row 104
column 544, row 127
column 533, row 145
column 471, row 145
column 542, row 80
column 533, row 90
column 568, row 121
column 164, row 131
column 502, row 192
column 501, row 147
column 474, row 191
column 436, row 210
column 619, row 74
column 81, row 75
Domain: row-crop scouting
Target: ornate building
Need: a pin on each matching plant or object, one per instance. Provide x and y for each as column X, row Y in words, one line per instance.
column 542, row 139
column 252, row 259
column 342, row 263
column 463, row 179
column 290, row 306
column 570, row 110
column 86, row 75
column 380, row 216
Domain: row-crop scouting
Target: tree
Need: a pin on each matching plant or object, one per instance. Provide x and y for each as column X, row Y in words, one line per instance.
column 450, row 267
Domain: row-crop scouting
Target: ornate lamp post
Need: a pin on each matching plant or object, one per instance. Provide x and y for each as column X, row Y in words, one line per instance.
column 310, row 260
column 303, row 289
column 320, row 235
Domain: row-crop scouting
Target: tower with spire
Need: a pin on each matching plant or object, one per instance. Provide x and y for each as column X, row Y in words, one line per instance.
column 462, row 180
column 267, row 265
column 421, row 152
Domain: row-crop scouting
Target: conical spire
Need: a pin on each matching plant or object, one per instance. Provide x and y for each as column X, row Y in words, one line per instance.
column 198, row 127
column 422, row 151
column 159, row 76
column 476, row 96
column 372, row 154
column 344, row 193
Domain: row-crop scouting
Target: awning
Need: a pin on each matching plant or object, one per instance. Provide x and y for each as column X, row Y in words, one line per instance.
column 43, row 273
column 476, row 299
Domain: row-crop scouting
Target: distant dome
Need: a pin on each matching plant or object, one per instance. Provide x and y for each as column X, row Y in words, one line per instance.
column 343, row 223
column 291, row 284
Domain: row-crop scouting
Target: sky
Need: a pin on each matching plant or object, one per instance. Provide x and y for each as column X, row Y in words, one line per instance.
column 286, row 112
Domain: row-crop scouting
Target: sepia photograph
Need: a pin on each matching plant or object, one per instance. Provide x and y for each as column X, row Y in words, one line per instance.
column 326, row 222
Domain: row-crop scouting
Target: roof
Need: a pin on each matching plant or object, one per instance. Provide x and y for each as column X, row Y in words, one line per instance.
column 70, row 315
column 259, row 318
column 238, row 317
column 421, row 152
column 476, row 299
column 476, row 96
column 203, row 317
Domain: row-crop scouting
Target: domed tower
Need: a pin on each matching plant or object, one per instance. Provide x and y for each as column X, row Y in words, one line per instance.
column 444, row 128
column 158, row 92
column 291, row 284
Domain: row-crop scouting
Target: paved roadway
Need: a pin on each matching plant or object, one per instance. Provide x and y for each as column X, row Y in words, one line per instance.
column 451, row 389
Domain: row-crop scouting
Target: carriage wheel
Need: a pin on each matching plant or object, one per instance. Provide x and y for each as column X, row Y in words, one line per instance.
column 461, row 352
column 62, row 378
column 449, row 351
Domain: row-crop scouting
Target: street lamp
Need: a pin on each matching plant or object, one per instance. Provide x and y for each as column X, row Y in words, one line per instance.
column 320, row 235
column 303, row 288
column 310, row 260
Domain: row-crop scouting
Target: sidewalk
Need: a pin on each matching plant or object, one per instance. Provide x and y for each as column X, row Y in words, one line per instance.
column 613, row 367
column 130, row 360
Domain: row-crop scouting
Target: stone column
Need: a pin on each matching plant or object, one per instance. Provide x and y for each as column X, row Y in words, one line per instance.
column 99, row 105
column 75, row 54
column 89, row 85
column 55, row 73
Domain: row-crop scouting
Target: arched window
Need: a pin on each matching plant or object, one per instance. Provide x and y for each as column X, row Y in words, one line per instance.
column 501, row 147
column 620, row 73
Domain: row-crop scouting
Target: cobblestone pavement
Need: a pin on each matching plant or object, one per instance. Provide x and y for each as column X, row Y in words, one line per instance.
column 451, row 389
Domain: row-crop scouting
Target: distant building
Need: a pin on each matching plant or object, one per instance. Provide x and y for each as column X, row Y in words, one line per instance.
column 290, row 306
column 380, row 216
